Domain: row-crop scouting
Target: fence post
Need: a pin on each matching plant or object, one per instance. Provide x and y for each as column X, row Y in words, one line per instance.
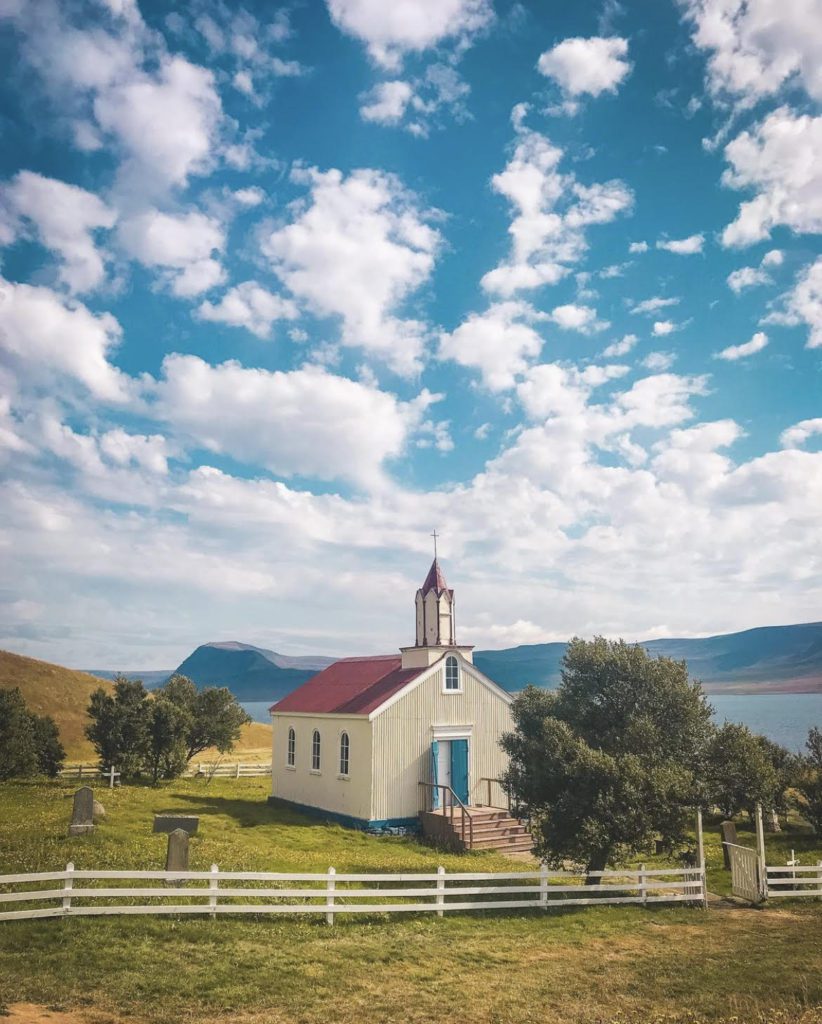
column 819, row 874
column 111, row 777
column 700, row 842
column 213, row 886
column 760, row 850
column 68, row 885
column 238, row 771
column 643, row 888
column 329, row 899
column 543, row 885
column 440, row 889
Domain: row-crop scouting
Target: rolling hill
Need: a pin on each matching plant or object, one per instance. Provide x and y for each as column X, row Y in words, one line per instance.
column 64, row 694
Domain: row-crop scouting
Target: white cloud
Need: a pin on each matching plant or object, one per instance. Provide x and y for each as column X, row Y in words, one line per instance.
column 621, row 347
column 249, row 197
column 638, row 247
column 499, row 342
column 387, row 102
column 747, row 277
column 773, row 258
column 663, row 327
column 654, row 304
column 43, row 337
column 586, row 66
column 64, row 218
column 734, row 352
column 551, row 212
column 682, row 246
column 305, row 422
column 182, row 245
column 780, row 159
column 390, row 30
column 572, row 317
column 658, row 362
column 758, row 46
column 251, row 306
column 799, row 433
column 357, row 249
column 803, row 304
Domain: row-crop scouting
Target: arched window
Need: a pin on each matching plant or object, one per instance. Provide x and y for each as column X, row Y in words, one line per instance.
column 315, row 750
column 345, row 748
column 291, row 753
column 452, row 673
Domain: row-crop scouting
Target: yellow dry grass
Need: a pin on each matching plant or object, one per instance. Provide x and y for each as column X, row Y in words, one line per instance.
column 64, row 694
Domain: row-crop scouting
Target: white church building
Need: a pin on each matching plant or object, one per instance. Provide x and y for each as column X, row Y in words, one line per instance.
column 373, row 742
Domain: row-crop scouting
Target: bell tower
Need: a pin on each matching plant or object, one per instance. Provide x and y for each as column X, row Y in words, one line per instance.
column 434, row 608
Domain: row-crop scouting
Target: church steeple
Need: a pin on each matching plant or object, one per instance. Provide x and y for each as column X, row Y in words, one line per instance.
column 435, row 610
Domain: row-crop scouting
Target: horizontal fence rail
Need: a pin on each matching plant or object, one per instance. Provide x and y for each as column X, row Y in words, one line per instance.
column 234, row 770
column 794, row 880
column 330, row 893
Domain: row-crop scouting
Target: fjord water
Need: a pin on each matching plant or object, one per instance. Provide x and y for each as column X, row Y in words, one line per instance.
column 782, row 717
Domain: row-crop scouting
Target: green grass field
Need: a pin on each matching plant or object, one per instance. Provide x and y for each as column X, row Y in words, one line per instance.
column 603, row 964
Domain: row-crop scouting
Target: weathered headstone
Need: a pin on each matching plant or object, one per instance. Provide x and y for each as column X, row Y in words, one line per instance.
column 728, row 829
column 771, row 822
column 99, row 810
column 169, row 822
column 177, row 854
column 82, row 815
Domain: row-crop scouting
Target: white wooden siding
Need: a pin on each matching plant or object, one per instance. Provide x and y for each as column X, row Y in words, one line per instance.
column 326, row 791
column 402, row 736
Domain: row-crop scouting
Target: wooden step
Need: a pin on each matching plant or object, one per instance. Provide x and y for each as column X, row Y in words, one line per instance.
column 502, row 842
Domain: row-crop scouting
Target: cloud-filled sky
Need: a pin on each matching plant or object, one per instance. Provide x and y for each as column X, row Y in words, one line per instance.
column 284, row 288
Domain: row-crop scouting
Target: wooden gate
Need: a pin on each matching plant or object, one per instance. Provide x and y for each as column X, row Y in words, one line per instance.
column 746, row 881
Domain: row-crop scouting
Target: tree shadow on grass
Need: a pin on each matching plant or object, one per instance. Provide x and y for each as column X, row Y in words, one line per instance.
column 248, row 813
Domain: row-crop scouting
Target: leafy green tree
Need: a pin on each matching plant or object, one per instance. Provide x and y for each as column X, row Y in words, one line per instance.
column 809, row 784
column 166, row 739
column 739, row 771
column 119, row 726
column 612, row 760
column 786, row 766
column 18, row 744
column 213, row 716
column 51, row 753
column 29, row 744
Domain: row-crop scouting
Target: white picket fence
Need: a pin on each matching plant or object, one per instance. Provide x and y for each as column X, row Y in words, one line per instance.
column 794, row 880
column 220, row 770
column 221, row 892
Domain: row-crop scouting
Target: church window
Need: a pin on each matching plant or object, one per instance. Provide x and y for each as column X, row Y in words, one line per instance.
column 452, row 673
column 315, row 751
column 291, row 752
column 345, row 747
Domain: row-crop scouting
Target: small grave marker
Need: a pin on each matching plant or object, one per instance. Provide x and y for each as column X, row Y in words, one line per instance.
column 177, row 854
column 728, row 829
column 82, row 815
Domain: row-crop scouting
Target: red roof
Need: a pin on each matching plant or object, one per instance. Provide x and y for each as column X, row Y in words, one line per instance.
column 352, row 686
column 434, row 580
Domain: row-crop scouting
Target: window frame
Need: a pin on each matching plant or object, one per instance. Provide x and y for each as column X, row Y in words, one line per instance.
column 452, row 669
column 345, row 755
column 291, row 748
column 316, row 752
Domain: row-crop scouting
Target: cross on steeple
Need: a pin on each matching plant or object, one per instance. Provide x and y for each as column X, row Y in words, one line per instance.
column 435, row 535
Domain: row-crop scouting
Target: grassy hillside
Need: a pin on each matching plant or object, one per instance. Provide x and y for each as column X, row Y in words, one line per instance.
column 64, row 694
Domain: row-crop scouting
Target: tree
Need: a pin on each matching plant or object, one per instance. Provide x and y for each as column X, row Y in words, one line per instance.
column 29, row 744
column 786, row 767
column 51, row 753
column 166, row 739
column 213, row 716
column 18, row 745
column 612, row 760
column 739, row 771
column 809, row 783
column 119, row 726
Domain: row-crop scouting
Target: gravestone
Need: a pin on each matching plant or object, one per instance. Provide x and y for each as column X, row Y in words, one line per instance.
column 98, row 810
column 82, row 815
column 177, row 854
column 728, row 829
column 169, row 822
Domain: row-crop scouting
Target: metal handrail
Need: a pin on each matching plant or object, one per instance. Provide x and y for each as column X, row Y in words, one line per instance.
column 466, row 814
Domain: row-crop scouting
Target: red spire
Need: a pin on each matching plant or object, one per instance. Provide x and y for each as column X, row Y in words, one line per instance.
column 434, row 580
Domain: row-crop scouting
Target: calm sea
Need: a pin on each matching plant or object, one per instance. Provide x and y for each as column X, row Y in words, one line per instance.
column 783, row 717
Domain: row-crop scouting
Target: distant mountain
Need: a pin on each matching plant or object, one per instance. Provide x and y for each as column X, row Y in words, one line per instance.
column 251, row 673
column 769, row 659
column 152, row 677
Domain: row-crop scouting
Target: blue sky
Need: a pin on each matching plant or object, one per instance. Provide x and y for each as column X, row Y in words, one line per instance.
column 284, row 288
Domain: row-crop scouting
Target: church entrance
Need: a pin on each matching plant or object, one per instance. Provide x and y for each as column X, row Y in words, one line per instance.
column 450, row 764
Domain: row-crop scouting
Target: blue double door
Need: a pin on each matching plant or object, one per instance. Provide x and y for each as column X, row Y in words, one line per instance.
column 449, row 767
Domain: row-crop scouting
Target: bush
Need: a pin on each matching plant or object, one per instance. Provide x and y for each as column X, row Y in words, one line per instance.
column 29, row 743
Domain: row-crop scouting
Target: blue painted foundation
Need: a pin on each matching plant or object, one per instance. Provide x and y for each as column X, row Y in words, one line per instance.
column 363, row 824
